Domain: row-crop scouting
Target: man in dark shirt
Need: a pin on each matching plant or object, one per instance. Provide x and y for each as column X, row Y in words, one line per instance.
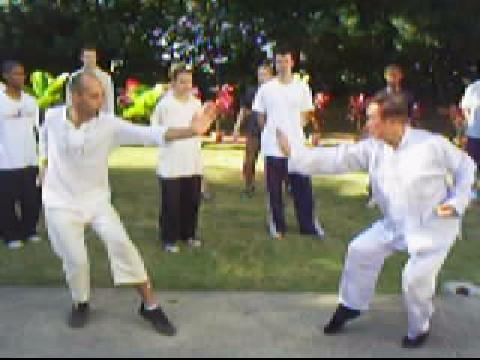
column 394, row 76
column 253, row 131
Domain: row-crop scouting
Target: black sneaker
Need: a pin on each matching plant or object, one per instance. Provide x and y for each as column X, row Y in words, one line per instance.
column 416, row 343
column 340, row 318
column 159, row 320
column 79, row 316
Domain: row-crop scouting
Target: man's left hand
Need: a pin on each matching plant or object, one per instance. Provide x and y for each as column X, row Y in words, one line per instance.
column 445, row 211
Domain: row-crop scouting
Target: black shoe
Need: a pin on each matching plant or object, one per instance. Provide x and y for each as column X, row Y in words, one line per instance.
column 79, row 316
column 340, row 318
column 159, row 320
column 416, row 343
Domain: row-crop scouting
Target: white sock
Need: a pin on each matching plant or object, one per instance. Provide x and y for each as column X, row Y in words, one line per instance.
column 152, row 307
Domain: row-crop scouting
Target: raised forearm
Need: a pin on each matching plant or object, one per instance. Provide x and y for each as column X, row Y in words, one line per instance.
column 262, row 120
column 173, row 134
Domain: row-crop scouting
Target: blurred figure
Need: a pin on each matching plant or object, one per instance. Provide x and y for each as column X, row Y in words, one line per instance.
column 89, row 58
column 395, row 78
column 470, row 106
column 248, row 117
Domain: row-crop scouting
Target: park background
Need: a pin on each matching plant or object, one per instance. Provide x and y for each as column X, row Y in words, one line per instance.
column 343, row 46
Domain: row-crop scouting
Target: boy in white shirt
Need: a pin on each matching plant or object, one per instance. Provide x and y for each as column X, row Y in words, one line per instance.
column 19, row 117
column 75, row 146
column 284, row 103
column 180, row 165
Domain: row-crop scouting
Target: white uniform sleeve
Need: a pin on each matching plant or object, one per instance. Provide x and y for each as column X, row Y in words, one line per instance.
column 43, row 139
column 463, row 169
column 109, row 95
column 259, row 105
column 68, row 90
column 127, row 133
column 307, row 99
column 157, row 119
column 332, row 160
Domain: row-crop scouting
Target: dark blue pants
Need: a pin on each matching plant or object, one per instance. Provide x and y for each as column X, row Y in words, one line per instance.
column 19, row 191
column 473, row 149
column 277, row 176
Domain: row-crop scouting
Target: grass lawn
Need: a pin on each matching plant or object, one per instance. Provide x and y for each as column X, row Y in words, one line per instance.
column 238, row 254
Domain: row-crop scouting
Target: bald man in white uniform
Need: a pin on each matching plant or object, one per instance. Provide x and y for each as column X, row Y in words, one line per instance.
column 75, row 145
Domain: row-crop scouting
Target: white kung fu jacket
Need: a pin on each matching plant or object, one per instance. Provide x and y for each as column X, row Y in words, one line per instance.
column 408, row 183
column 77, row 172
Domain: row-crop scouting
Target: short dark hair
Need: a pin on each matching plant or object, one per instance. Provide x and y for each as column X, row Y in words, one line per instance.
column 177, row 69
column 392, row 105
column 266, row 65
column 89, row 47
column 285, row 49
column 9, row 65
column 393, row 67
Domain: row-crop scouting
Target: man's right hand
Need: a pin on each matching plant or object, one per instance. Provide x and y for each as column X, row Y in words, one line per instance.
column 283, row 143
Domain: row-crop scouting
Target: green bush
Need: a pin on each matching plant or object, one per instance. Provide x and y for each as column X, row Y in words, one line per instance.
column 47, row 89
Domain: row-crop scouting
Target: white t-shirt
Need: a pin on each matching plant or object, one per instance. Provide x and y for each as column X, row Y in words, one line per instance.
column 77, row 172
column 283, row 105
column 18, row 121
column 180, row 158
column 471, row 101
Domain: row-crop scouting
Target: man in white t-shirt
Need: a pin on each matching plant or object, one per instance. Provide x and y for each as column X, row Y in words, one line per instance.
column 89, row 57
column 283, row 104
column 180, row 165
column 75, row 144
column 19, row 117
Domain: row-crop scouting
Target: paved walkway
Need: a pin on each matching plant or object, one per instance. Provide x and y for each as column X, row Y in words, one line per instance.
column 32, row 324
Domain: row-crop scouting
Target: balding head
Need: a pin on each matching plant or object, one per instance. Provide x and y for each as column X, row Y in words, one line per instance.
column 84, row 80
column 87, row 93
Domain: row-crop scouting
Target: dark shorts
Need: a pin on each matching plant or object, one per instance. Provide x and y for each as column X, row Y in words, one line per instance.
column 473, row 149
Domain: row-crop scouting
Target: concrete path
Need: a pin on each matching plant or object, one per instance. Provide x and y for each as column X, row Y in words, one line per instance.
column 32, row 324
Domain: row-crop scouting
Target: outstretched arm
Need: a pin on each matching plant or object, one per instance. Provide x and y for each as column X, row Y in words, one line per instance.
column 201, row 123
column 130, row 134
column 327, row 160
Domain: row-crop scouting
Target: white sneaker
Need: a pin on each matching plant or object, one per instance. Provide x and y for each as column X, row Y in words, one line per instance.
column 15, row 245
column 172, row 249
column 320, row 232
column 371, row 204
column 475, row 195
column 194, row 243
column 34, row 239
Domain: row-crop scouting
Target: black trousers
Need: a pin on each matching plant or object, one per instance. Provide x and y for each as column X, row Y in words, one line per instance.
column 20, row 203
column 179, row 210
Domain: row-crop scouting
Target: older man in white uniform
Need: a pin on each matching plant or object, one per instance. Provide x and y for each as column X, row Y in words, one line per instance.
column 410, row 171
column 75, row 145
